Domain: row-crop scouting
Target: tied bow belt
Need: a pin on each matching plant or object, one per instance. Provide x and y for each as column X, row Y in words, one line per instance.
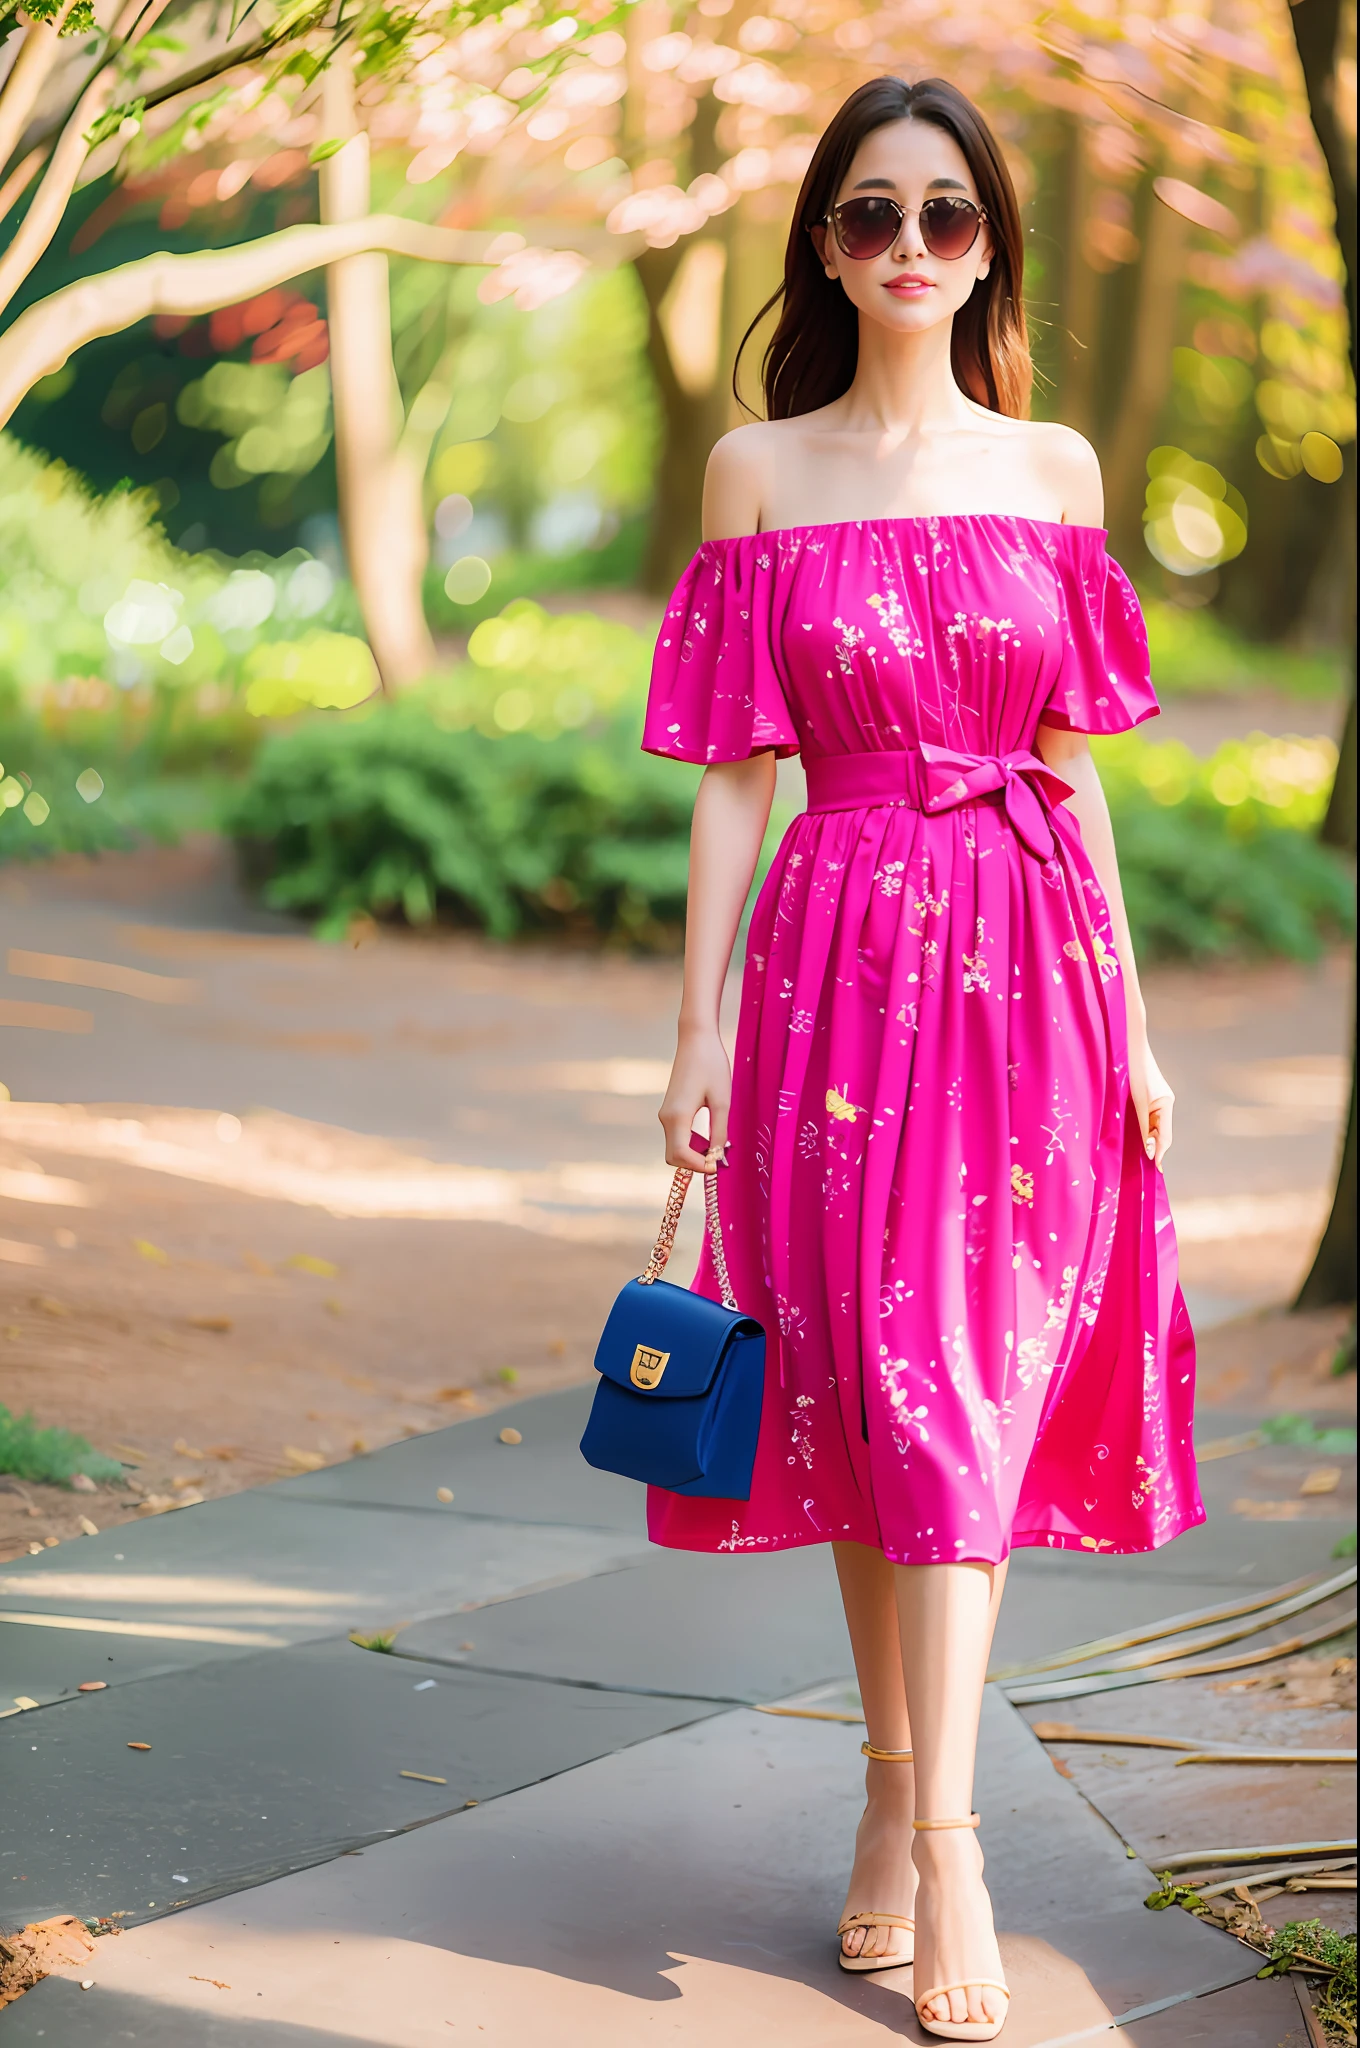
column 935, row 779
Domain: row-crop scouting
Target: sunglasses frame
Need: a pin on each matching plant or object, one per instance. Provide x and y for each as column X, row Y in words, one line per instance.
column 832, row 220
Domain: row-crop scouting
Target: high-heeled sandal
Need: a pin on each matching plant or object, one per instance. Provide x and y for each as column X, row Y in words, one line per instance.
column 960, row 2030
column 907, row 1952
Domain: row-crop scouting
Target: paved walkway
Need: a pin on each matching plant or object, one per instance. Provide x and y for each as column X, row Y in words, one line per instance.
column 554, row 1812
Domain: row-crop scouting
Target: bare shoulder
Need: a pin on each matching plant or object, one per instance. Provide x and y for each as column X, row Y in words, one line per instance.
column 734, row 482
column 1069, row 466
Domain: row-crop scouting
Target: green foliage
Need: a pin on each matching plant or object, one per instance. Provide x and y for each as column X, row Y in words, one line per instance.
column 50, row 1456
column 1219, row 857
column 1194, row 653
column 617, row 564
column 1297, row 1429
column 133, row 677
column 385, row 813
column 1320, row 1951
column 530, row 671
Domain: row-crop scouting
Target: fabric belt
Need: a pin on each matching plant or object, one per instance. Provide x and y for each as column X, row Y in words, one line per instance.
column 935, row 779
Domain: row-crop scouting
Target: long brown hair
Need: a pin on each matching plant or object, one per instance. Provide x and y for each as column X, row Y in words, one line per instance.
column 813, row 351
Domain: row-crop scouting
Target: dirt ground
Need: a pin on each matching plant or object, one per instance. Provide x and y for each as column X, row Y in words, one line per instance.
column 212, row 1339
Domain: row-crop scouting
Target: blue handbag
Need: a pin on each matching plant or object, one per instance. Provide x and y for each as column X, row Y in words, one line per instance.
column 681, row 1377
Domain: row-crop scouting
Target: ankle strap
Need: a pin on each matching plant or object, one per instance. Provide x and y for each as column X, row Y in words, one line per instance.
column 972, row 1820
column 885, row 1756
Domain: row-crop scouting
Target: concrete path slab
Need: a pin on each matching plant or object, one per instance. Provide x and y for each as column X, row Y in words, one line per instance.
column 733, row 1628
column 267, row 1764
column 684, row 1890
column 542, row 1479
column 257, row 1571
column 1253, row 2015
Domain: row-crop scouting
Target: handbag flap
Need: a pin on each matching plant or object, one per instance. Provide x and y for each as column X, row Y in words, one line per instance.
column 665, row 1342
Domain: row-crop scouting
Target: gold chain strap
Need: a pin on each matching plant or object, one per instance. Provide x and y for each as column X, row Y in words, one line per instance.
column 670, row 1222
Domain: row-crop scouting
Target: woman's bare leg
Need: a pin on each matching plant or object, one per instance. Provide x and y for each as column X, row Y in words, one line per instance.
column 884, row 1877
column 947, row 1613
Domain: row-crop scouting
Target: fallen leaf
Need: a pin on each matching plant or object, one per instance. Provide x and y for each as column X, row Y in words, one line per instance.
column 422, row 1777
column 305, row 1461
column 444, row 1493
column 81, row 1482
column 1064, row 1770
column 455, row 1394
column 93, row 1685
column 49, row 1306
column 333, row 1307
column 216, row 1982
column 139, row 1745
column 224, row 1453
column 131, row 1451
column 21, row 1699
column 303, row 1262
column 255, row 1265
column 511, row 1436
column 186, row 1450
column 88, row 1528
column 151, row 1251
column 1325, row 1479
column 220, row 1324
column 358, row 1447
column 183, row 1480
column 557, row 1348
column 1268, row 1510
column 156, row 1503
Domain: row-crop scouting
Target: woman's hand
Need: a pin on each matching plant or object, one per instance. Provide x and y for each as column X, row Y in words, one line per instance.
column 700, row 1079
column 1152, row 1098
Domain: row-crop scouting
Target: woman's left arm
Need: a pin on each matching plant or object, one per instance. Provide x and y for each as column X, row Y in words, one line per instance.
column 1069, row 755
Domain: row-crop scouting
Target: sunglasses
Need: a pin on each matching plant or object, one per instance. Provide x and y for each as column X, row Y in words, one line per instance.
column 868, row 227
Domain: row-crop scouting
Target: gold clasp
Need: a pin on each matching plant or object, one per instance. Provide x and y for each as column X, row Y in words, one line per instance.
column 647, row 1367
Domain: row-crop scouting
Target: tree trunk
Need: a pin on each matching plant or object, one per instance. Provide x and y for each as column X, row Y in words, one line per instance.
column 1149, row 376
column 693, row 420
column 1079, row 314
column 1317, row 26
column 381, row 519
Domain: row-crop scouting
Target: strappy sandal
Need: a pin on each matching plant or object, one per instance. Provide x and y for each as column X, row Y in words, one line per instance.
column 960, row 2030
column 907, row 1952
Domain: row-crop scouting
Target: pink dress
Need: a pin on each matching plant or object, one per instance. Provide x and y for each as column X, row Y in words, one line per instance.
column 937, row 1202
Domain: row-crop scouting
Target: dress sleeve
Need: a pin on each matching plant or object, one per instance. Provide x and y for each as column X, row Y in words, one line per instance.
column 1103, row 684
column 716, row 694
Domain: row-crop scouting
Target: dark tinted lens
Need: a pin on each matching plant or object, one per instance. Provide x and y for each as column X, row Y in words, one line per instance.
column 866, row 227
column 949, row 227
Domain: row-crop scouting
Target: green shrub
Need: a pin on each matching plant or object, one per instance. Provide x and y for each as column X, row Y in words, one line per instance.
column 384, row 813
column 1220, row 857
column 388, row 811
column 50, row 1456
column 1194, row 654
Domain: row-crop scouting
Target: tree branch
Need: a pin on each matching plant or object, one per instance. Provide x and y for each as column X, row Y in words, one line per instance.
column 185, row 81
column 28, row 75
column 45, row 334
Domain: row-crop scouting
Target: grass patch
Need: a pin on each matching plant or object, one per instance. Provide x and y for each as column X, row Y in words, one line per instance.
column 1297, row 1429
column 50, row 1457
column 1320, row 1952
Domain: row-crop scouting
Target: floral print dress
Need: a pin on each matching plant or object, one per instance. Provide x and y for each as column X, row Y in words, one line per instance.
column 937, row 1201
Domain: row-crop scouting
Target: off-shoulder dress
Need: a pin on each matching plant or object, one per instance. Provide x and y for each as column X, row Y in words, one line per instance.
column 937, row 1204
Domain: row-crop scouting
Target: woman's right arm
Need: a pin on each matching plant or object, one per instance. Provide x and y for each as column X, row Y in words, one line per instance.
column 731, row 812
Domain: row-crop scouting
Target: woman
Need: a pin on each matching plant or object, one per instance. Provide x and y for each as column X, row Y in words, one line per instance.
column 943, row 1195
